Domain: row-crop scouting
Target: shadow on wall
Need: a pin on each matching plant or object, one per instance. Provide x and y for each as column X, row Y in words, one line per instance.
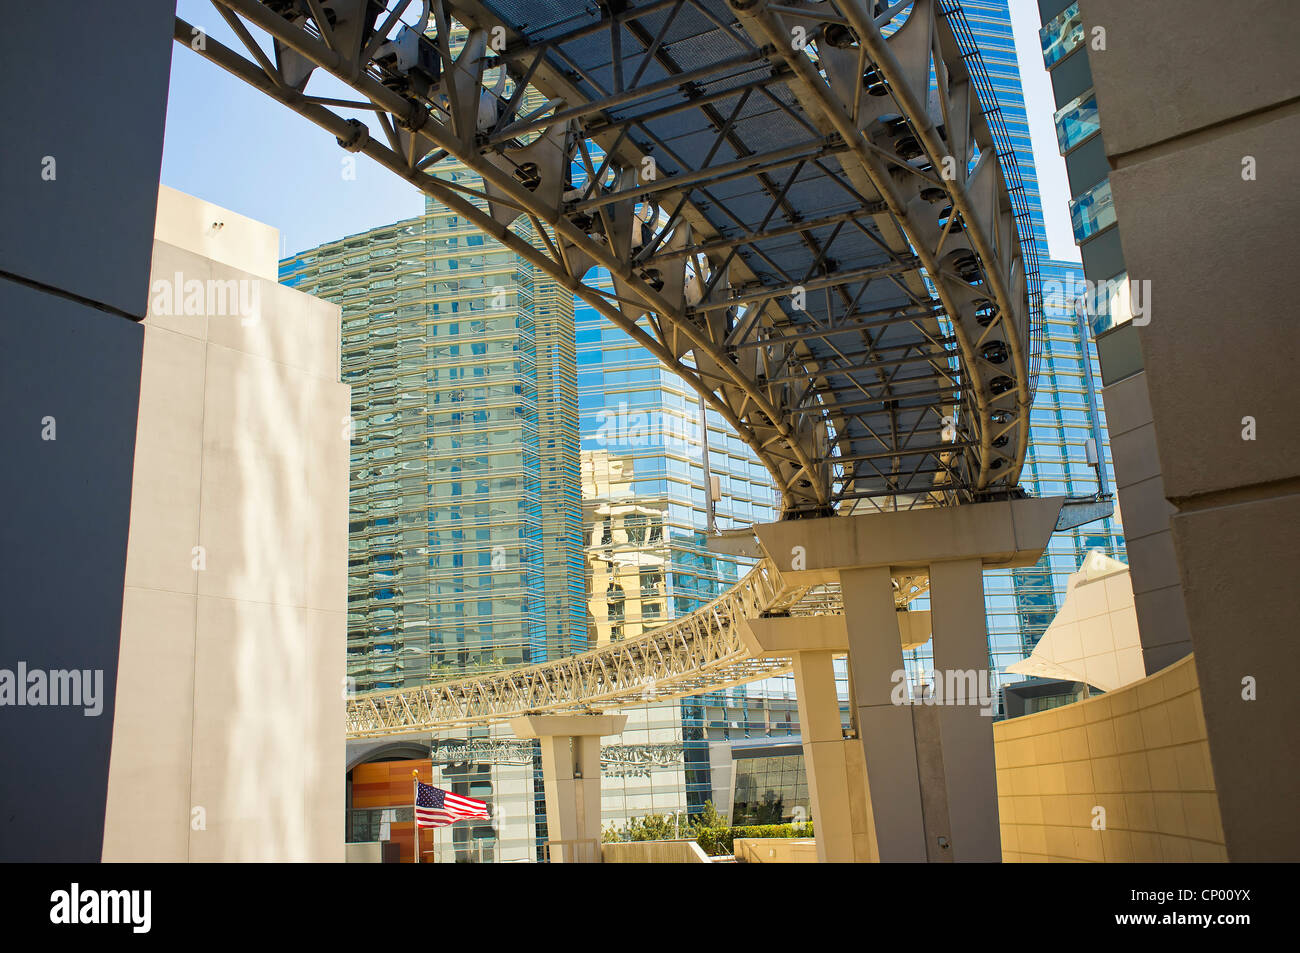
column 269, row 642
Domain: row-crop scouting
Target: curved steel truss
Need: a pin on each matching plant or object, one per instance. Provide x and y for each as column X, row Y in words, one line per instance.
column 803, row 207
column 809, row 211
column 699, row 653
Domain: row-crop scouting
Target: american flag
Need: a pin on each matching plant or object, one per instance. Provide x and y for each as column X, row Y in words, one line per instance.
column 435, row 807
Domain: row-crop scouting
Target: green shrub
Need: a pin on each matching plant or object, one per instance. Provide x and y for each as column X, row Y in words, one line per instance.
column 708, row 829
column 716, row 841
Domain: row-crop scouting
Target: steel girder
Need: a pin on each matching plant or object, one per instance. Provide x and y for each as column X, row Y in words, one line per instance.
column 803, row 206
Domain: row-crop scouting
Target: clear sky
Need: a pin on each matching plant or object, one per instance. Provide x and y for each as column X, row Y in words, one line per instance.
column 232, row 145
column 1040, row 105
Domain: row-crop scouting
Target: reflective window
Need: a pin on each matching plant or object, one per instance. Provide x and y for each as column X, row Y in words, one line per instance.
column 1076, row 121
column 1062, row 35
column 1109, row 305
column 1092, row 211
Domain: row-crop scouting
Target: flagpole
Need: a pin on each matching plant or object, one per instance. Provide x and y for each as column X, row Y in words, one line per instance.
column 415, row 801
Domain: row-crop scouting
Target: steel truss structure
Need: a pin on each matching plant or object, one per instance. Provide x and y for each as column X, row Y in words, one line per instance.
column 803, row 206
column 809, row 211
column 698, row 653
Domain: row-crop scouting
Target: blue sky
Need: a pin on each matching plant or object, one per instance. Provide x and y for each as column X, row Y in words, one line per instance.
column 232, row 145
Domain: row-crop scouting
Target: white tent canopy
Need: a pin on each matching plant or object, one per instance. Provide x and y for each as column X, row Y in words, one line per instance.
column 1094, row 638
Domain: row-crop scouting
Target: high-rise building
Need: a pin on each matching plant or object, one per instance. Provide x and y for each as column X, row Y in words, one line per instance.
column 1067, row 411
column 465, row 549
column 1107, row 310
column 657, row 478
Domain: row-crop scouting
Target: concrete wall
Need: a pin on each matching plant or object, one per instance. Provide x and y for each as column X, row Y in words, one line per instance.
column 211, row 231
column 1145, row 514
column 230, row 689
column 775, row 850
column 1139, row 753
column 1202, row 126
column 654, row 852
column 369, row 852
column 77, row 187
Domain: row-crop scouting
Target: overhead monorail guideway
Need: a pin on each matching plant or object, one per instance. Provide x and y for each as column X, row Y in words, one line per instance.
column 809, row 211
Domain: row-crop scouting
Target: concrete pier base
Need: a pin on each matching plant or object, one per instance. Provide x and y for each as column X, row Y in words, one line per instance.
column 837, row 787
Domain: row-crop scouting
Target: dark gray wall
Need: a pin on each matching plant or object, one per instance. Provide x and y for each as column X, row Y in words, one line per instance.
column 1183, row 101
column 85, row 83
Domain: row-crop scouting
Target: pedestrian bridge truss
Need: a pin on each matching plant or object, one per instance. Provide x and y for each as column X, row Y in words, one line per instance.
column 809, row 211
column 698, row 653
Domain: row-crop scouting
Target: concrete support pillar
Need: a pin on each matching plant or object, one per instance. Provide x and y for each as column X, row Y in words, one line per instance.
column 823, row 754
column 929, row 771
column 840, row 807
column 884, row 728
column 571, row 776
column 961, row 655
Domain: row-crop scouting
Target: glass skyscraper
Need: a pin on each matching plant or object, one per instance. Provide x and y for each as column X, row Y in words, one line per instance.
column 1067, row 407
column 465, row 522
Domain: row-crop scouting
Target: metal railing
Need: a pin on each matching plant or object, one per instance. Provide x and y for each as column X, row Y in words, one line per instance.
column 961, row 31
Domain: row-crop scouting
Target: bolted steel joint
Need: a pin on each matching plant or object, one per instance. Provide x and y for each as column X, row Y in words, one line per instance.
column 357, row 138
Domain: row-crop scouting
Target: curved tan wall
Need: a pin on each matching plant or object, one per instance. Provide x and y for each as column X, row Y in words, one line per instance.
column 1140, row 753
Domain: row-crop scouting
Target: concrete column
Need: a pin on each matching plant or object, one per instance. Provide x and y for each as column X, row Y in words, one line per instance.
column 884, row 728
column 571, row 775
column 836, row 777
column 961, row 656
column 905, row 751
column 823, row 755
column 862, row 822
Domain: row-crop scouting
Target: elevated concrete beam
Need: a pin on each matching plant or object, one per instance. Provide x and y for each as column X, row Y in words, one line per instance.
column 783, row 636
column 1007, row 533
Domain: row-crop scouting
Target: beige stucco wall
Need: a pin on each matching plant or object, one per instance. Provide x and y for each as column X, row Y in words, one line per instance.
column 227, row 740
column 1139, row 752
column 775, row 850
column 211, row 231
column 654, row 852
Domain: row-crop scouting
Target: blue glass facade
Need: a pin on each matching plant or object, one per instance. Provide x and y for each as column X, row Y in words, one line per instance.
column 1067, row 407
column 464, row 501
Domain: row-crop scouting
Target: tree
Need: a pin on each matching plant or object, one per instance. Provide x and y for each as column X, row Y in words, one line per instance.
column 709, row 817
